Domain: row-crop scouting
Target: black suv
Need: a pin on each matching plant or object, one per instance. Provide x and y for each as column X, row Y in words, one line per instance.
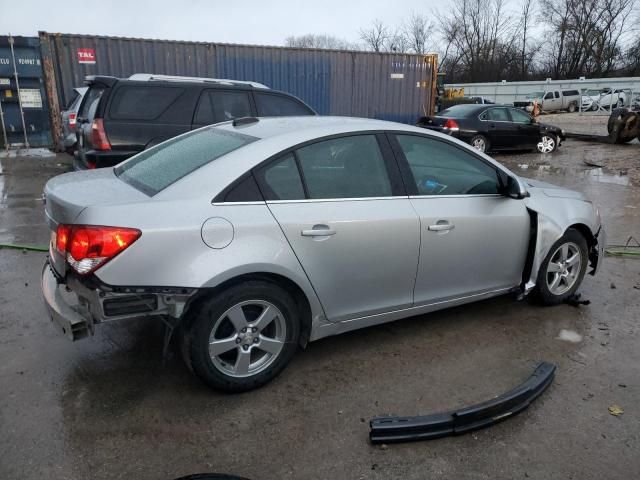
column 121, row 117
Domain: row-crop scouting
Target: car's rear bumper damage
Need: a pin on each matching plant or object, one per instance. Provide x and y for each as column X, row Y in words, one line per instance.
column 404, row 429
column 75, row 308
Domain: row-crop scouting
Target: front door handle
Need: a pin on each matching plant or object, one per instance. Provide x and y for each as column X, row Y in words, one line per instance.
column 441, row 227
column 318, row 231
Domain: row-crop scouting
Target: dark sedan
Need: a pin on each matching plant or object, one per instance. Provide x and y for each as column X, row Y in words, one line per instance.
column 494, row 127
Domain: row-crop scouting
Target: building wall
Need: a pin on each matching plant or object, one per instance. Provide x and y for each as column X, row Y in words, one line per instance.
column 508, row 92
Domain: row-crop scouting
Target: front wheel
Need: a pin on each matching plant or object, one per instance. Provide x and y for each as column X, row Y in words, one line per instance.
column 480, row 142
column 243, row 337
column 563, row 269
column 547, row 144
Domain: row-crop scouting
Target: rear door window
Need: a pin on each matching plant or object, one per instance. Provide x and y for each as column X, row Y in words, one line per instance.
column 143, row 102
column 499, row 115
column 220, row 105
column 270, row 105
column 155, row 169
column 346, row 167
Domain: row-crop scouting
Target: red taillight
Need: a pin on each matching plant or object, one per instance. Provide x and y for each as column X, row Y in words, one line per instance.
column 62, row 238
column 72, row 119
column 451, row 124
column 88, row 247
column 99, row 139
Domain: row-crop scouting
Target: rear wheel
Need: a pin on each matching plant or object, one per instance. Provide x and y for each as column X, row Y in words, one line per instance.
column 243, row 337
column 547, row 143
column 563, row 269
column 480, row 142
column 572, row 107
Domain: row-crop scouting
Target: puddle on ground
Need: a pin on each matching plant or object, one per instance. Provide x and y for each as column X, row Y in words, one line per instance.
column 569, row 336
column 598, row 174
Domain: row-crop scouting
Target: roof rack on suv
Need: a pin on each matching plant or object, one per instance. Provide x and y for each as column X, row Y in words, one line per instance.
column 146, row 77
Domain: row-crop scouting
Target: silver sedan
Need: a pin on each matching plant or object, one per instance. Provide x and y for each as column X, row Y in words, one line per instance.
column 257, row 236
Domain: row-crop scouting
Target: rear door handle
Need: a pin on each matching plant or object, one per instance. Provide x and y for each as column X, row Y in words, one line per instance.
column 318, row 231
column 441, row 227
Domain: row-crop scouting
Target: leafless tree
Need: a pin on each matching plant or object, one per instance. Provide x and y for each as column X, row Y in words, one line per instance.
column 323, row 41
column 376, row 36
column 397, row 42
column 527, row 50
column 418, row 30
column 479, row 43
column 585, row 37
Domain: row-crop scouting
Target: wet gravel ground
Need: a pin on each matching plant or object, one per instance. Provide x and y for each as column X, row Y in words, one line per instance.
column 106, row 407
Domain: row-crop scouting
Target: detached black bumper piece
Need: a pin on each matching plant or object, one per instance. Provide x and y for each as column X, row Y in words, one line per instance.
column 426, row 427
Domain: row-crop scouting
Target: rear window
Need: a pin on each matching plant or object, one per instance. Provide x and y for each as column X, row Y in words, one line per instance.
column 142, row 103
column 570, row 93
column 155, row 169
column 458, row 111
column 279, row 106
column 90, row 102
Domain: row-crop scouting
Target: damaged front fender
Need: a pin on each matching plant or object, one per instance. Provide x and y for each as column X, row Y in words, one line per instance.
column 553, row 211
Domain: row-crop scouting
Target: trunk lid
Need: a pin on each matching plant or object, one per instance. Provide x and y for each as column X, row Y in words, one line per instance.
column 69, row 194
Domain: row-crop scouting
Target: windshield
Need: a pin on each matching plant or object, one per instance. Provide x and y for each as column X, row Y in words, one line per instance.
column 155, row 169
column 534, row 95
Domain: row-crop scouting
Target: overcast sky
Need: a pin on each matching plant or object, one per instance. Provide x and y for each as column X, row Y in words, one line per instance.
column 266, row 22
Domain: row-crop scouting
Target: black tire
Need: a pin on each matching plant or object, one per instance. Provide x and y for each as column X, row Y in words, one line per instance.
column 543, row 292
column 478, row 140
column 572, row 108
column 203, row 318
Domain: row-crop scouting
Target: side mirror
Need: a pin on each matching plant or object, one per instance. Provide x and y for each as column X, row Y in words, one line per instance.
column 512, row 187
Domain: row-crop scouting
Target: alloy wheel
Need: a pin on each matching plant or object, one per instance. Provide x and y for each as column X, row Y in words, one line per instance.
column 563, row 269
column 247, row 338
column 546, row 144
column 479, row 144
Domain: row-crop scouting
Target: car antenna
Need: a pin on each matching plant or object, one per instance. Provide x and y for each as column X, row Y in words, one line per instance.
column 244, row 121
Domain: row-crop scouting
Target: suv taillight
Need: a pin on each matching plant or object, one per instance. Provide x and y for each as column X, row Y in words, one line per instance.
column 88, row 247
column 72, row 120
column 451, row 125
column 99, row 139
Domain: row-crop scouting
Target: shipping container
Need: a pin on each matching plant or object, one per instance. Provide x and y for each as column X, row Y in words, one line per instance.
column 387, row 86
column 24, row 116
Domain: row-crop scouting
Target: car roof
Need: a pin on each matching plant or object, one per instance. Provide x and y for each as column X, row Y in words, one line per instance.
column 303, row 128
column 275, row 135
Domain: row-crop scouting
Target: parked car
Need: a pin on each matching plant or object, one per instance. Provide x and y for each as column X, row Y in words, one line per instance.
column 551, row 101
column 68, row 140
column 606, row 98
column 490, row 128
column 121, row 117
column 614, row 98
column 590, row 99
column 255, row 236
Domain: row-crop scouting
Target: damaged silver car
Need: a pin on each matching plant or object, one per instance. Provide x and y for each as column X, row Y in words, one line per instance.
column 256, row 236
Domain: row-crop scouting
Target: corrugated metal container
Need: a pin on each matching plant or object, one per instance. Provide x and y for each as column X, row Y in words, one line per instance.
column 22, row 101
column 334, row 82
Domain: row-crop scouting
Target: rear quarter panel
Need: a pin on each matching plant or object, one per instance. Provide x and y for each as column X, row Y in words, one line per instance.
column 171, row 250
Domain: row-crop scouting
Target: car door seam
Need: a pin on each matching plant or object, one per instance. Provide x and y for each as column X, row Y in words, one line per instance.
column 415, row 279
column 299, row 262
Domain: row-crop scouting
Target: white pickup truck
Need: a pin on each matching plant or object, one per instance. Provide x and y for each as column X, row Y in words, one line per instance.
column 551, row 101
